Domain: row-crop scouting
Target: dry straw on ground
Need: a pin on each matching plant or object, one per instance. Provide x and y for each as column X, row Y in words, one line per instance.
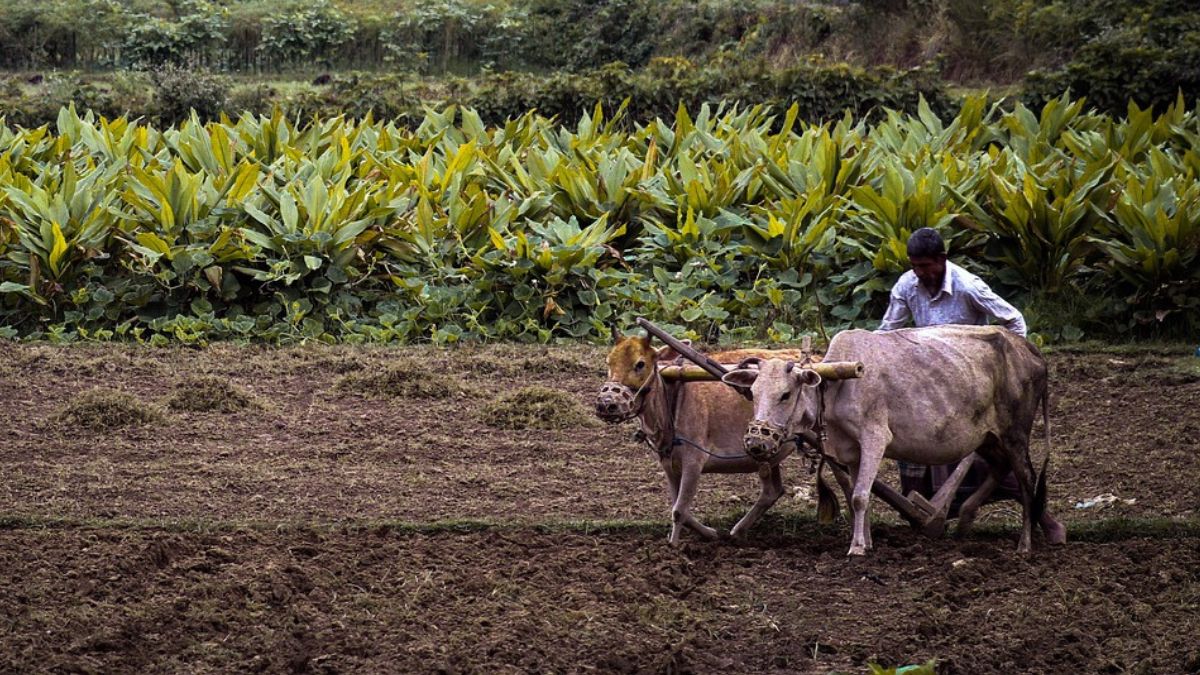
column 506, row 360
column 103, row 409
column 210, row 394
column 406, row 379
column 536, row 407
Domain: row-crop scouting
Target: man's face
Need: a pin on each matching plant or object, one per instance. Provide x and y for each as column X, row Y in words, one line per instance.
column 931, row 272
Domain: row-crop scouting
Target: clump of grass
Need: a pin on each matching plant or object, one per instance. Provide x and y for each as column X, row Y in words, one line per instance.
column 535, row 407
column 209, row 394
column 406, row 379
column 103, row 409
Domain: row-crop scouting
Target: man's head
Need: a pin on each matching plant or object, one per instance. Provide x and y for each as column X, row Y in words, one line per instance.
column 927, row 255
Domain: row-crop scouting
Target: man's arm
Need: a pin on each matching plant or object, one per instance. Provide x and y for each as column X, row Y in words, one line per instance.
column 898, row 312
column 993, row 305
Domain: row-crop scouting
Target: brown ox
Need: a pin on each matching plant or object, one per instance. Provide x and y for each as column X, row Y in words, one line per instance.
column 695, row 428
column 929, row 395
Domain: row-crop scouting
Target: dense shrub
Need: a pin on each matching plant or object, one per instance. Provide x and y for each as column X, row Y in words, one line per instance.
column 823, row 91
column 1148, row 63
column 181, row 90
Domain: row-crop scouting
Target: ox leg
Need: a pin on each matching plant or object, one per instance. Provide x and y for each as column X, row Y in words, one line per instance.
column 847, row 487
column 672, row 473
column 1056, row 532
column 681, row 512
column 674, row 476
column 772, row 489
column 1025, row 482
column 871, row 451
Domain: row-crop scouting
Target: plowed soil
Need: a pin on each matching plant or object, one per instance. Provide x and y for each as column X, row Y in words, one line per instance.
column 324, row 528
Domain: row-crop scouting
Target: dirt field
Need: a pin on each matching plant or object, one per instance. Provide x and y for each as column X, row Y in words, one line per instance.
column 312, row 527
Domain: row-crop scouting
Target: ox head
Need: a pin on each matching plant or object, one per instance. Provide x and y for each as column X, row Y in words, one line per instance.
column 783, row 392
column 631, row 374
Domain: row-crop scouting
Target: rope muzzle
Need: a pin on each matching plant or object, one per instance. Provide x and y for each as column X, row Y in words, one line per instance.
column 616, row 402
column 764, row 440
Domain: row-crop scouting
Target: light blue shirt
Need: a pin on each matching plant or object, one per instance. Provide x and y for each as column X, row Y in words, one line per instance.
column 963, row 299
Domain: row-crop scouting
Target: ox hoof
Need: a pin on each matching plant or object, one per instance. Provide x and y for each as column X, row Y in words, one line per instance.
column 857, row 552
column 1056, row 533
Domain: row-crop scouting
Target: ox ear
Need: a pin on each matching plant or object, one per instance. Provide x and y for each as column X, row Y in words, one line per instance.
column 808, row 377
column 742, row 377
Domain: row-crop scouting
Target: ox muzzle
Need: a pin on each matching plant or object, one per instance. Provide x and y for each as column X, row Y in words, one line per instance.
column 615, row 402
column 764, row 440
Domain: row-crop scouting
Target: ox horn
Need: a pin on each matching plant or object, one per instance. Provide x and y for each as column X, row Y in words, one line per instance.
column 750, row 362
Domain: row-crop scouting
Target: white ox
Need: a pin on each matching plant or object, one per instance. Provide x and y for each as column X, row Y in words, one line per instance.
column 929, row 395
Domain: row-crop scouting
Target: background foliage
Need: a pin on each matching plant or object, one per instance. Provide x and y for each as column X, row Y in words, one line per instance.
column 167, row 94
column 1111, row 51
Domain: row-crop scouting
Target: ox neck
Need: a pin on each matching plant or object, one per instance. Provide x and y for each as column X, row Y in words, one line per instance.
column 658, row 415
column 815, row 416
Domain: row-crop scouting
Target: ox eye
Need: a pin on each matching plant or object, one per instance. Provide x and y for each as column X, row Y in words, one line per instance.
column 786, row 396
column 640, row 365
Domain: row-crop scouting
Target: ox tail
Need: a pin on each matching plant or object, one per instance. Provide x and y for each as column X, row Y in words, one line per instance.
column 1046, row 420
column 827, row 502
column 1039, row 493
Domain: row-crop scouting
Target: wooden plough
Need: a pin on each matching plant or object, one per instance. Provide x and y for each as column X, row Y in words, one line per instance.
column 927, row 516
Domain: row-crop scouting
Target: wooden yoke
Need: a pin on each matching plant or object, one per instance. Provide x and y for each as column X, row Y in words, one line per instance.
column 828, row 370
column 708, row 370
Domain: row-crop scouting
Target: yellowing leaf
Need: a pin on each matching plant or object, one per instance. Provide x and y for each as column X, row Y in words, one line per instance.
column 154, row 243
column 58, row 249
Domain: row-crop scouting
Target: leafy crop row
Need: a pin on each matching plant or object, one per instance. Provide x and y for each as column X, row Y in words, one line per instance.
column 733, row 222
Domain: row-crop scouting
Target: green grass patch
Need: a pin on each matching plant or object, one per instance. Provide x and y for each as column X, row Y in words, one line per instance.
column 779, row 527
column 1131, row 348
column 1103, row 531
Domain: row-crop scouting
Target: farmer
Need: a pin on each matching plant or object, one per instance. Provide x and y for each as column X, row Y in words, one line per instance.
column 936, row 292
